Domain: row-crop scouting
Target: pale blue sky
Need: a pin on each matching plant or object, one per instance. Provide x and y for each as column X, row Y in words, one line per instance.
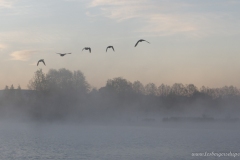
column 191, row 41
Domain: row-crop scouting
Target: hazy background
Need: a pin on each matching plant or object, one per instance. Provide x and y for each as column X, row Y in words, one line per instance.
column 62, row 117
column 141, row 93
column 64, row 95
column 191, row 42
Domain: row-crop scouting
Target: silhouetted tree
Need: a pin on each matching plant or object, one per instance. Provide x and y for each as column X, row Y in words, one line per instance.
column 19, row 99
column 164, row 90
column 6, row 92
column 151, row 89
column 178, row 89
column 12, row 93
column 138, row 87
column 12, row 87
column 38, row 82
column 191, row 89
column 119, row 85
column 6, row 95
column 61, row 92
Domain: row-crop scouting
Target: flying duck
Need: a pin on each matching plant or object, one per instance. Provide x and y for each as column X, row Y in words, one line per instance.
column 110, row 47
column 41, row 60
column 87, row 48
column 141, row 40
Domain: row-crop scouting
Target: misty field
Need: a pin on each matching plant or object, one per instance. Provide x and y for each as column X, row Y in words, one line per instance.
column 64, row 95
column 62, row 117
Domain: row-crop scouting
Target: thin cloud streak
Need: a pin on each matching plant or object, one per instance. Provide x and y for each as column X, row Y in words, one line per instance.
column 120, row 10
column 153, row 20
column 168, row 18
column 3, row 46
column 35, row 35
column 6, row 3
column 95, row 3
column 23, row 55
column 33, row 64
column 168, row 25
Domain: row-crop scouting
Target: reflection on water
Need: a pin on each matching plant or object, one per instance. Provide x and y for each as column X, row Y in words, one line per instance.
column 40, row 141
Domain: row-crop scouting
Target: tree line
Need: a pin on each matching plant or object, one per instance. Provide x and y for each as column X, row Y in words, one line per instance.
column 61, row 94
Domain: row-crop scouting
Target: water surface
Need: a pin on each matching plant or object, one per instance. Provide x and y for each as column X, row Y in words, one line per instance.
column 24, row 141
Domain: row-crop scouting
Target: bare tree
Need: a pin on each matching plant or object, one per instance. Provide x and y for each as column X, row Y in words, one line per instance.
column 191, row 89
column 178, row 89
column 164, row 90
column 151, row 89
column 38, row 82
column 138, row 87
column 119, row 85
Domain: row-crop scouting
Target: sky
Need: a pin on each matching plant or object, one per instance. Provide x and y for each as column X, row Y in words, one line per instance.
column 191, row 42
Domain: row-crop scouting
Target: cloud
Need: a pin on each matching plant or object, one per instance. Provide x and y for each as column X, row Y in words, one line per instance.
column 74, row 0
column 23, row 55
column 35, row 35
column 3, row 46
column 120, row 10
column 6, row 3
column 153, row 17
column 95, row 3
column 33, row 64
column 161, row 18
column 168, row 25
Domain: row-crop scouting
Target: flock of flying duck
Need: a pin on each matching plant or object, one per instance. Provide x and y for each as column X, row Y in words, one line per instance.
column 89, row 49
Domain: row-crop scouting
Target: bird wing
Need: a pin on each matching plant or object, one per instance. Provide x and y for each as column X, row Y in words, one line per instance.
column 37, row 63
column 106, row 49
column 113, row 49
column 90, row 50
column 43, row 62
column 146, row 41
column 137, row 43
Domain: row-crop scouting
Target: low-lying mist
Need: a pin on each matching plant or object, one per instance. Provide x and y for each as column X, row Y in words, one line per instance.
column 65, row 96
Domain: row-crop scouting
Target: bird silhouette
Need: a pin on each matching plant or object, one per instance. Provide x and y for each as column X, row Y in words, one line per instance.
column 141, row 40
column 87, row 48
column 41, row 60
column 110, row 47
column 63, row 54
